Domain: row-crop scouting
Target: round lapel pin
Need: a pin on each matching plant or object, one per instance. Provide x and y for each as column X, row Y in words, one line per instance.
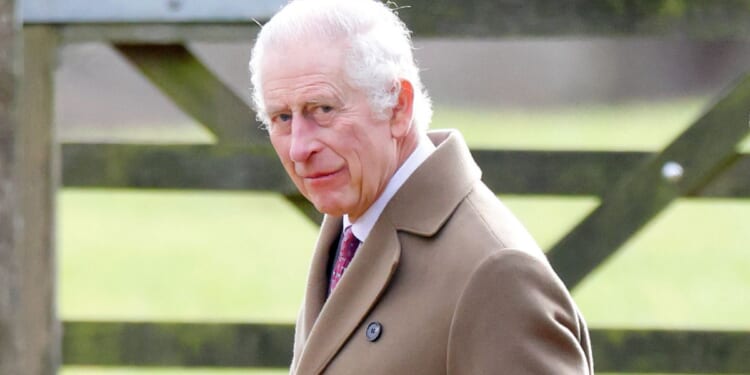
column 373, row 331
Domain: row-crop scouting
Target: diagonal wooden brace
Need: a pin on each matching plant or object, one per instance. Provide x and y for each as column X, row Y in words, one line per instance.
column 183, row 78
column 687, row 165
column 199, row 93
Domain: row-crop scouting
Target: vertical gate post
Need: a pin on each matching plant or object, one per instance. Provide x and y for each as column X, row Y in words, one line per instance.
column 38, row 159
column 10, row 333
column 29, row 328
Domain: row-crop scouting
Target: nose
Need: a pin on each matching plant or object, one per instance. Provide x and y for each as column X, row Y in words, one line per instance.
column 304, row 142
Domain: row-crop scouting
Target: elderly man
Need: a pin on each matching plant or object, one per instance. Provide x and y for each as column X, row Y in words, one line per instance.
column 418, row 269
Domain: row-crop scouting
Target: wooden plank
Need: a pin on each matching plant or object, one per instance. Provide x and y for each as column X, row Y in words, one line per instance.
column 82, row 11
column 263, row 345
column 643, row 351
column 694, row 19
column 173, row 167
column 697, row 19
column 703, row 151
column 39, row 175
column 197, row 91
column 241, row 168
column 734, row 182
column 158, row 33
column 554, row 172
column 590, row 172
column 29, row 330
column 177, row 344
column 11, row 329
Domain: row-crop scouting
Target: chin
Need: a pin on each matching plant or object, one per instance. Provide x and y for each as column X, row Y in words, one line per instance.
column 329, row 209
column 327, row 202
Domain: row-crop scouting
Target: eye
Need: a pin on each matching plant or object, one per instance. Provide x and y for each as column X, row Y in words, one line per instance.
column 323, row 114
column 321, row 109
column 281, row 122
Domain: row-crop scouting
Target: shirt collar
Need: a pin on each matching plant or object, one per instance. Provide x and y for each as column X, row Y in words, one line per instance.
column 366, row 222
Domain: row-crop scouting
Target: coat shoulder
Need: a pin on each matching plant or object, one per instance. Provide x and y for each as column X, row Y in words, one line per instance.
column 489, row 225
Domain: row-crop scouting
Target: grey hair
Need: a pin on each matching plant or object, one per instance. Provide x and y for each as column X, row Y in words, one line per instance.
column 379, row 50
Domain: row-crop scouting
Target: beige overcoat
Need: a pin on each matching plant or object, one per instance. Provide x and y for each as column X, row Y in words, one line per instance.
column 452, row 279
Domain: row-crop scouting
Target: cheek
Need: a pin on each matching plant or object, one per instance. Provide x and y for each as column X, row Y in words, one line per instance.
column 281, row 146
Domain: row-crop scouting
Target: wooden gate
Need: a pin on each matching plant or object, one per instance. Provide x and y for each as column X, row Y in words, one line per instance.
column 633, row 186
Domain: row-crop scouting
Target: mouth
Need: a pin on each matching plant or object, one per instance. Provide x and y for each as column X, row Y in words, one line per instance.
column 321, row 175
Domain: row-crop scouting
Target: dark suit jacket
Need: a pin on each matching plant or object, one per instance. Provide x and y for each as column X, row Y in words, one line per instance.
column 456, row 282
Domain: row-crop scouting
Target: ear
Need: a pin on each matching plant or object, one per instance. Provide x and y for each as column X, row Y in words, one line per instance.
column 401, row 117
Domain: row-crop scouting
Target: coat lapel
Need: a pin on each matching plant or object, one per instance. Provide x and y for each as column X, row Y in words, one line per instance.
column 362, row 284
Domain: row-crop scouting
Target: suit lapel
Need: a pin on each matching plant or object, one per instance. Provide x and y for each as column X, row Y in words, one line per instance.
column 362, row 284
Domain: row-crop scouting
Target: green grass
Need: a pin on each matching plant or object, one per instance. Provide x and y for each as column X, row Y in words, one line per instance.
column 147, row 255
column 629, row 126
column 139, row 133
column 220, row 256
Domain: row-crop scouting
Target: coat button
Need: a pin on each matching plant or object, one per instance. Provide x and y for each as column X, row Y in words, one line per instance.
column 373, row 332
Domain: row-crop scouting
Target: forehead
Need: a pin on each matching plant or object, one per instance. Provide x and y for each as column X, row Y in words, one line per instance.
column 303, row 67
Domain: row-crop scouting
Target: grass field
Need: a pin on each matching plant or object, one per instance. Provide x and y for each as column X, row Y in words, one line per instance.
column 222, row 256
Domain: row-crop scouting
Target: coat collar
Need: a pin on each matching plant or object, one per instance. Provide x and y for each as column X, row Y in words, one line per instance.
column 449, row 174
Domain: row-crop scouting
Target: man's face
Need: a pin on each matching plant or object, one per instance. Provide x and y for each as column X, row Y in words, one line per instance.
column 338, row 153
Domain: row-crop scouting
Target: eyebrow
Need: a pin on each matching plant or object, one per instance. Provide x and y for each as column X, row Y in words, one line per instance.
column 313, row 96
column 315, row 100
column 324, row 99
column 275, row 107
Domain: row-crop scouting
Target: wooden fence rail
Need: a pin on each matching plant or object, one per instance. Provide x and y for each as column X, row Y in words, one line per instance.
column 269, row 345
column 132, row 21
column 243, row 168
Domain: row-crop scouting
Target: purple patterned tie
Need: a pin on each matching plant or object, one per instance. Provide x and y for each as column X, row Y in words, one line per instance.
column 348, row 247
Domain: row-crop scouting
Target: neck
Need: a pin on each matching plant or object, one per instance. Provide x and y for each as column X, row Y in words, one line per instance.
column 406, row 146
